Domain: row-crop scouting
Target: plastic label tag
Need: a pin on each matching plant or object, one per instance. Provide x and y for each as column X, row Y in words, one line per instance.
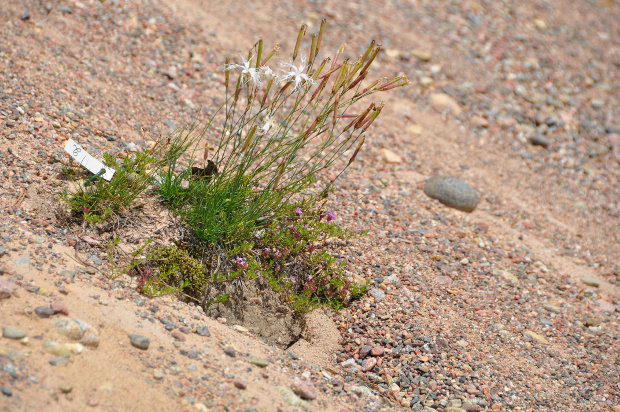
column 81, row 156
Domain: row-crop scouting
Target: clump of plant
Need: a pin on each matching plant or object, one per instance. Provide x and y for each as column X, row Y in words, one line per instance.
column 94, row 200
column 170, row 269
column 282, row 131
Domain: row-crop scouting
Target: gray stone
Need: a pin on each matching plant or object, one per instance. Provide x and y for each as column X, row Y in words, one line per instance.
column 540, row 140
column 44, row 311
column 6, row 391
column 591, row 281
column 289, row 397
column 260, row 362
column 13, row 333
column 452, row 192
column 378, row 294
column 203, row 331
column 139, row 341
column 58, row 361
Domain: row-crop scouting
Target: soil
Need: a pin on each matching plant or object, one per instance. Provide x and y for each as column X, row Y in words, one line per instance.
column 511, row 307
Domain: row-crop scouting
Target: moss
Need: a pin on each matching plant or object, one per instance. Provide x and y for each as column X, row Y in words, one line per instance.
column 178, row 271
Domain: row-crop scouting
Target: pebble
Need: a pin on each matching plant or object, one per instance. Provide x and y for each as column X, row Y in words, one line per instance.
column 158, row 374
column 58, row 361
column 260, row 362
column 390, row 157
column 139, row 341
column 44, row 311
column 203, row 331
column 69, row 328
column 590, row 281
column 59, row 307
column 452, row 192
column 6, row 288
column 368, row 364
column 365, row 350
column 62, row 349
column 304, row 389
column 13, row 333
column 442, row 101
column 66, row 388
column 540, row 140
column 240, row 384
column 178, row 336
column 289, row 397
column 230, row 351
column 535, row 336
column 378, row 294
column 422, row 55
column 90, row 338
column 6, row 391
column 377, row 351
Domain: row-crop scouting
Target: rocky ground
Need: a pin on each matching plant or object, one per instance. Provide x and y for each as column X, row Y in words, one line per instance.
column 511, row 307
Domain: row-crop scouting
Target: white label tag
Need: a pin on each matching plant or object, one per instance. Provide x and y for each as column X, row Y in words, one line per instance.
column 81, row 156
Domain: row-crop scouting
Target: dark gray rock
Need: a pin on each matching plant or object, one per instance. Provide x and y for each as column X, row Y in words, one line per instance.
column 44, row 311
column 139, row 341
column 452, row 192
column 540, row 140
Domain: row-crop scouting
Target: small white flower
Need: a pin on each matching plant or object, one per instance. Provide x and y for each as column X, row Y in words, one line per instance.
column 250, row 73
column 267, row 125
column 296, row 74
column 266, row 72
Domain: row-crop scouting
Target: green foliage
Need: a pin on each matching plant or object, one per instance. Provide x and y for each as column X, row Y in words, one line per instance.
column 167, row 270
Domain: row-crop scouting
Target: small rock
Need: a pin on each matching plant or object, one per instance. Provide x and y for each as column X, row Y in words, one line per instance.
column 178, row 336
column 590, row 321
column 289, row 397
column 540, row 140
column 25, row 16
column 377, row 351
column 59, row 307
column 63, row 350
column 69, row 328
column 535, row 336
column 552, row 308
column 378, row 294
column 66, row 388
column 58, row 361
column 139, row 341
column 6, row 288
column 591, row 281
column 304, row 389
column 260, row 362
column 203, row 331
column 13, row 333
column 422, row 55
column 390, row 157
column 361, row 390
column 441, row 101
column 158, row 374
column 6, row 391
column 44, row 311
column 365, row 350
column 240, row 329
column 452, row 192
column 240, row 384
column 368, row 364
column 230, row 351
column 90, row 338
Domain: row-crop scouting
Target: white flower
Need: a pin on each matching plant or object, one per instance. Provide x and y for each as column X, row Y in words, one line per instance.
column 296, row 74
column 266, row 72
column 250, row 73
column 267, row 125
